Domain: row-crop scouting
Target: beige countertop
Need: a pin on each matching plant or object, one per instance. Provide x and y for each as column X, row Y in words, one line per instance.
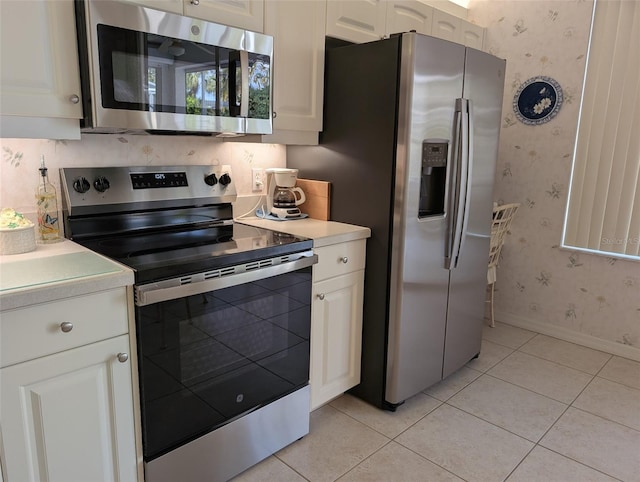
column 323, row 233
column 66, row 269
column 55, row 271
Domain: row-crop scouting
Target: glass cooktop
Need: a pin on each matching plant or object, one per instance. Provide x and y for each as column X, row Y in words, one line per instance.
column 166, row 254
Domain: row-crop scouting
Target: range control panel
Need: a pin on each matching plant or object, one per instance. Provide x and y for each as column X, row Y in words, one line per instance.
column 96, row 186
column 153, row 180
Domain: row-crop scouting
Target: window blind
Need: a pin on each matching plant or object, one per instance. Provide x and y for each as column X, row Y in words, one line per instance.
column 603, row 212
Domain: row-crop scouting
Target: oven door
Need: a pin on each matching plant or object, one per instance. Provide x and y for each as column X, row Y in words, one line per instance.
column 153, row 70
column 217, row 346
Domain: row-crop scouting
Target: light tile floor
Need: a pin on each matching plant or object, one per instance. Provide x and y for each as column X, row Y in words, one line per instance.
column 530, row 408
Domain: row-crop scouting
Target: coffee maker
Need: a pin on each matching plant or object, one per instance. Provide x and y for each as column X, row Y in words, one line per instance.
column 283, row 196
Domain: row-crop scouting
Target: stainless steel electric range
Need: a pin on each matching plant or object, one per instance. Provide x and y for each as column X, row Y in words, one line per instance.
column 222, row 314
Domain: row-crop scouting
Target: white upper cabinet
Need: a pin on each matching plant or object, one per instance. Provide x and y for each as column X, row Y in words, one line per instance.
column 362, row 21
column 247, row 14
column 173, row 6
column 455, row 29
column 472, row 35
column 297, row 27
column 446, row 26
column 356, row 21
column 39, row 65
column 407, row 15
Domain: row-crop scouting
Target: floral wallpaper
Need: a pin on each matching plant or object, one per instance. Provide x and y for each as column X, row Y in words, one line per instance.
column 21, row 158
column 541, row 285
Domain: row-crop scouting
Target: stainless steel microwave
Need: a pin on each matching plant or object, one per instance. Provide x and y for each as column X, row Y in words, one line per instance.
column 147, row 70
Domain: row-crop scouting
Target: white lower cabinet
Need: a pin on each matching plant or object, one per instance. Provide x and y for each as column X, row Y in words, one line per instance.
column 336, row 321
column 69, row 416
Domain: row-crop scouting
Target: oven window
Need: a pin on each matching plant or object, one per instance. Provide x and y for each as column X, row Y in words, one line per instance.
column 209, row 358
column 149, row 72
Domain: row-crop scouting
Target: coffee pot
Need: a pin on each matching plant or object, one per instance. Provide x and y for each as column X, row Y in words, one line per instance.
column 283, row 196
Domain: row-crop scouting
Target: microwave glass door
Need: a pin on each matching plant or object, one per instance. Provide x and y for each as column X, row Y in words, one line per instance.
column 162, row 75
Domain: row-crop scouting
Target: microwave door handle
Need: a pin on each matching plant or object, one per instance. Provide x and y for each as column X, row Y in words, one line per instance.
column 244, row 84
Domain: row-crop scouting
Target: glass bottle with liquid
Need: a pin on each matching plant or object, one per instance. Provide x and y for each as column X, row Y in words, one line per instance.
column 47, row 202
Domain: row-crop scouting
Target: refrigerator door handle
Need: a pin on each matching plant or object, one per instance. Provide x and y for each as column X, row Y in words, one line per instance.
column 454, row 187
column 468, row 163
column 459, row 200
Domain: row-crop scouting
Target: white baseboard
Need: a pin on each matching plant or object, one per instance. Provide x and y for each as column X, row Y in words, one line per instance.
column 565, row 334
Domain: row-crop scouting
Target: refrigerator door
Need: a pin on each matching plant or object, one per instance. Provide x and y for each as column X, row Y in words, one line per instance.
column 431, row 79
column 483, row 87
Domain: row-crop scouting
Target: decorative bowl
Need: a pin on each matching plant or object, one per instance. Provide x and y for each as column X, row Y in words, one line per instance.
column 17, row 240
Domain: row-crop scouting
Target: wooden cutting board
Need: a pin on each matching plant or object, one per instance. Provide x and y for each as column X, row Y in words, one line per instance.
column 318, row 195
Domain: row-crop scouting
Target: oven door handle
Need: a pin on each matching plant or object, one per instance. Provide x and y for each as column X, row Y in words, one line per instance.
column 150, row 293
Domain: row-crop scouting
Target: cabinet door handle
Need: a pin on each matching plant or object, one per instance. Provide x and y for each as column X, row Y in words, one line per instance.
column 122, row 357
column 195, row 2
column 344, row 259
column 66, row 326
column 321, row 296
column 74, row 99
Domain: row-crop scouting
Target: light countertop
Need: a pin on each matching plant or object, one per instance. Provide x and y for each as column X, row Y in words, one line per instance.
column 323, row 233
column 66, row 269
column 55, row 271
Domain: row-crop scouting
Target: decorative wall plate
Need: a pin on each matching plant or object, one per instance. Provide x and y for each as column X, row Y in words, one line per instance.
column 538, row 100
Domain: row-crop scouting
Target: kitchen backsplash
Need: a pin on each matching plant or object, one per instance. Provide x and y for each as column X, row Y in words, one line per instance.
column 21, row 158
column 540, row 285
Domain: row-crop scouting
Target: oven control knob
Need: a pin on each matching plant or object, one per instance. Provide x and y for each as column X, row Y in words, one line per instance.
column 81, row 185
column 211, row 179
column 225, row 179
column 101, row 184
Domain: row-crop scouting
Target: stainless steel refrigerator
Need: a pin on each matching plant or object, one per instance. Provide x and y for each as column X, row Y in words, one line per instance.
column 409, row 143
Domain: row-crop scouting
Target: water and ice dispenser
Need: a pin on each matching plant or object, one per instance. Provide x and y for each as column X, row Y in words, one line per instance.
column 433, row 177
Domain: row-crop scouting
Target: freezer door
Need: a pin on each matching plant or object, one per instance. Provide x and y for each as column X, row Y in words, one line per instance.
column 431, row 80
column 483, row 87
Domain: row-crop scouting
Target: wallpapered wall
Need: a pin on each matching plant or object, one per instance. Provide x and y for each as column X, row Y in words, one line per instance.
column 574, row 295
column 21, row 158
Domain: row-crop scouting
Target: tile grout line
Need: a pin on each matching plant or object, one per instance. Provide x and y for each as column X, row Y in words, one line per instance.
column 550, row 360
column 394, row 439
column 389, row 439
column 287, row 465
column 429, row 460
column 568, row 406
column 365, row 459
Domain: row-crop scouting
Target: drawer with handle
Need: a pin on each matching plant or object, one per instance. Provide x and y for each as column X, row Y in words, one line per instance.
column 47, row 328
column 338, row 259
